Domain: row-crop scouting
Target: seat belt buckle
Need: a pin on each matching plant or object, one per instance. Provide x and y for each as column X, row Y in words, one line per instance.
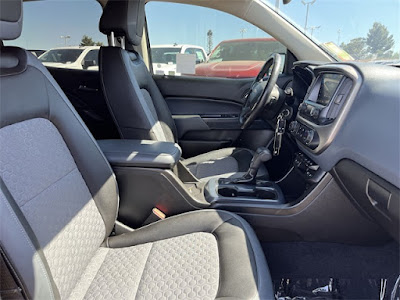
column 155, row 216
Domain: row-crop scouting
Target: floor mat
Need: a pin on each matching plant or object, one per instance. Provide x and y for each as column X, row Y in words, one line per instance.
column 349, row 272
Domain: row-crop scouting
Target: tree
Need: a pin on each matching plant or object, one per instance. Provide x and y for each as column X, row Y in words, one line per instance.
column 379, row 41
column 88, row 41
column 357, row 48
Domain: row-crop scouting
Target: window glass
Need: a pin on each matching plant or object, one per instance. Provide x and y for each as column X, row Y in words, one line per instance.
column 92, row 56
column 348, row 30
column 224, row 45
column 60, row 32
column 63, row 56
column 200, row 55
column 164, row 55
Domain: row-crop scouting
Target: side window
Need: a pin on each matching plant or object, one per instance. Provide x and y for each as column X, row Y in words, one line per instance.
column 91, row 60
column 200, row 56
column 62, row 34
column 224, row 45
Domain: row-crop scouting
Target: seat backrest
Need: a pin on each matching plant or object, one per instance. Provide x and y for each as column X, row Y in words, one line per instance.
column 134, row 100
column 58, row 194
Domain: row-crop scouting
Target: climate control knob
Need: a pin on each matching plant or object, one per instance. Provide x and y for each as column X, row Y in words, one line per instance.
column 302, row 107
column 308, row 136
column 314, row 113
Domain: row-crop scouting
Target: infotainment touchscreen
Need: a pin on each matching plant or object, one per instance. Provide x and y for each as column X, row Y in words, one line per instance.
column 329, row 84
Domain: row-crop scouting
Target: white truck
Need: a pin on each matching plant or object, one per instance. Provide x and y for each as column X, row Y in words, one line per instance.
column 163, row 57
column 81, row 58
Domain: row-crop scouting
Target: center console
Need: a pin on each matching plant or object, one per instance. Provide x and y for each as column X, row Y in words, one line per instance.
column 150, row 176
column 243, row 197
column 247, row 192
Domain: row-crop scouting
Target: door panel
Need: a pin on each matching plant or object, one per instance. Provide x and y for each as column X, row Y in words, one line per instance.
column 206, row 112
column 83, row 89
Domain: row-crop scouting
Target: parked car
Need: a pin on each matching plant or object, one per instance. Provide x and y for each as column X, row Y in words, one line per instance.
column 239, row 58
column 81, row 58
column 163, row 57
column 37, row 53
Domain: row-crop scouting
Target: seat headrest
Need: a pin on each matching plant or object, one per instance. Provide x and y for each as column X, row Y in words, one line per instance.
column 10, row 19
column 124, row 18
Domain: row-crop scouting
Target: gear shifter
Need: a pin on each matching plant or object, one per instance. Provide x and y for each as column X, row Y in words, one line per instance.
column 262, row 155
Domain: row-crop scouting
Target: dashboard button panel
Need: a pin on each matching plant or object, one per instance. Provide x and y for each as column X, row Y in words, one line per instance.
column 307, row 168
column 304, row 134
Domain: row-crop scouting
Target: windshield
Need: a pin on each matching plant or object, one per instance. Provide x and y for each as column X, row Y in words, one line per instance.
column 348, row 30
column 164, row 55
column 63, row 56
column 246, row 50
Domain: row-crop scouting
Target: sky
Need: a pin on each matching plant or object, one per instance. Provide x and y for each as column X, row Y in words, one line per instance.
column 46, row 21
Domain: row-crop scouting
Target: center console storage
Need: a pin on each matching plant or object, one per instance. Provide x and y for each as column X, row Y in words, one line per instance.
column 243, row 197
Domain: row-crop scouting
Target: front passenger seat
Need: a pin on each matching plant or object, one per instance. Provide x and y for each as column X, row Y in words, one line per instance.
column 135, row 102
column 59, row 201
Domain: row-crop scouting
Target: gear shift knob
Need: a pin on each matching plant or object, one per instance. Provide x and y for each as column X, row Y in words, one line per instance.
column 262, row 155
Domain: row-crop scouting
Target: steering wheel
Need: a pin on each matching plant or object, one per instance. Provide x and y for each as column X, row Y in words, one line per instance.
column 261, row 93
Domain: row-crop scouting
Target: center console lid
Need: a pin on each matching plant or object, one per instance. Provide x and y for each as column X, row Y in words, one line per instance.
column 141, row 153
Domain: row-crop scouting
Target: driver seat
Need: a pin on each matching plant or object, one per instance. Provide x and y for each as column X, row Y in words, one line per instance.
column 135, row 102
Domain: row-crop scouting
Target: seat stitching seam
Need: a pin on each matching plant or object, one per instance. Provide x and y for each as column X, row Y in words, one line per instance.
column 144, row 268
column 49, row 186
column 97, row 272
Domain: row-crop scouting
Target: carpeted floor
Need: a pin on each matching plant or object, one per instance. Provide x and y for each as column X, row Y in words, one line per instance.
column 356, row 270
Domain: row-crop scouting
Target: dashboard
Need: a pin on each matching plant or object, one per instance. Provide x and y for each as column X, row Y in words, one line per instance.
column 348, row 124
column 325, row 105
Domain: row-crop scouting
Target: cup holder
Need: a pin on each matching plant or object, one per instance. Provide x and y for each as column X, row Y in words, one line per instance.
column 227, row 192
column 253, row 193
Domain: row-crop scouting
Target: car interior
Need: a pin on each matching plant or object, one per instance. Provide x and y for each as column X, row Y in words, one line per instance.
column 119, row 183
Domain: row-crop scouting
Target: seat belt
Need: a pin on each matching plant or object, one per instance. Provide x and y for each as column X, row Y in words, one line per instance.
column 11, row 286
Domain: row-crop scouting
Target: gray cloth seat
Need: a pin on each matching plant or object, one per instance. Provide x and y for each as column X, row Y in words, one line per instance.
column 134, row 100
column 59, row 202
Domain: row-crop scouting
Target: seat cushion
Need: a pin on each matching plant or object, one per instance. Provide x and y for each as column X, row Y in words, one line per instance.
column 205, row 254
column 227, row 162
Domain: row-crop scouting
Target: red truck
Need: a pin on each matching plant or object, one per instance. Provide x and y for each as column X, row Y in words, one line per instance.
column 239, row 58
